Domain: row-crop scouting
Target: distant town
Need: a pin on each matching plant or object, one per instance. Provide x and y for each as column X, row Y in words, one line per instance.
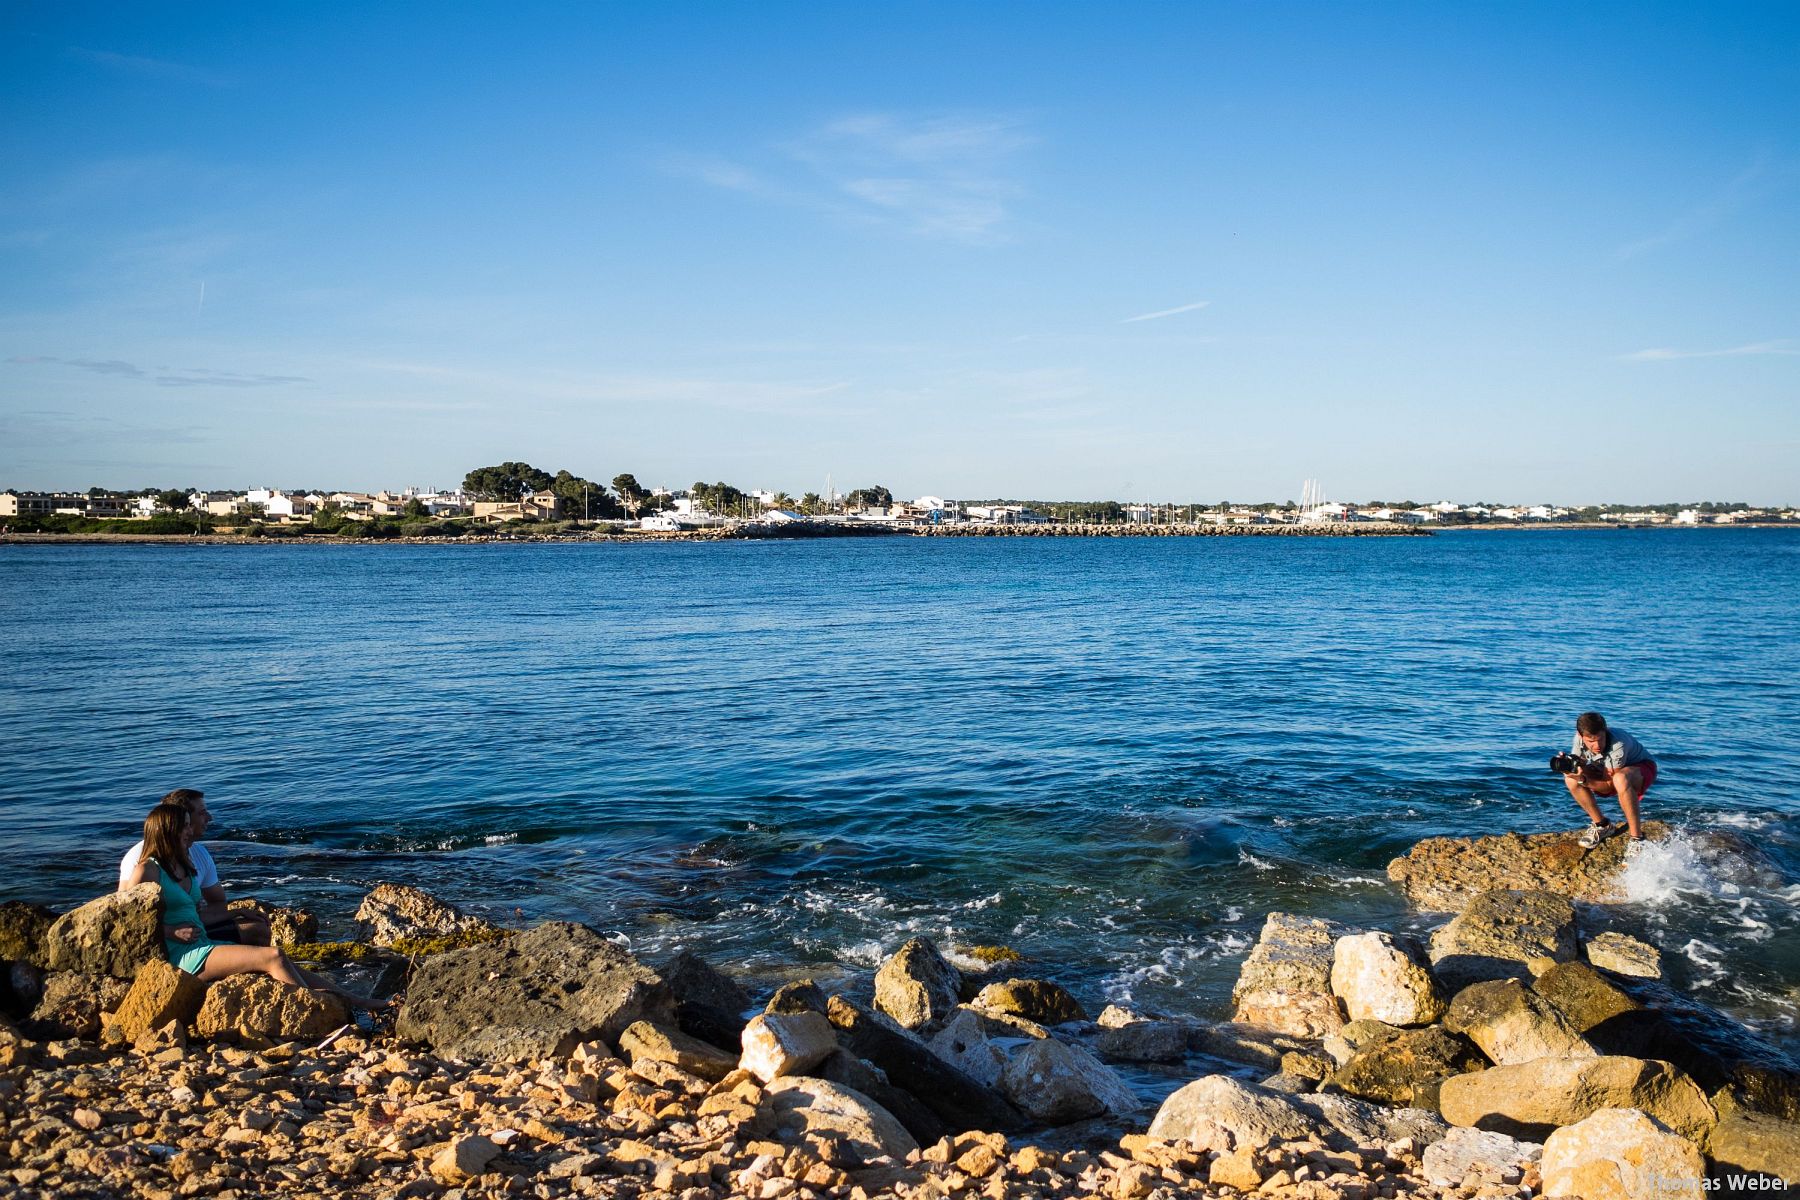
column 524, row 498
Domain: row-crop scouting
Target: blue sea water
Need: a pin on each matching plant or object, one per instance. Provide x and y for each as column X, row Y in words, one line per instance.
column 1112, row 755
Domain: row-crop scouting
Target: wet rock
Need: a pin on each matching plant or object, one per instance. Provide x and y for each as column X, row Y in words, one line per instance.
column 22, row 930
column 1529, row 1100
column 23, row 987
column 917, row 986
column 1285, row 982
column 537, row 994
column 709, row 1005
column 803, row 1106
column 1591, row 1003
column 959, row 1101
column 1056, row 1083
column 1752, row 1143
column 1501, row 934
column 1621, row 1154
column 1460, row 1151
column 645, row 1041
column 1407, row 1069
column 1034, row 999
column 1624, row 955
column 802, row 995
column 1362, row 1123
column 161, row 993
column 72, row 1003
column 1381, row 977
column 395, row 912
column 258, row 1007
column 1143, row 1042
column 113, row 935
column 1513, row 1024
column 779, row 1044
column 1445, row 874
column 1219, row 1113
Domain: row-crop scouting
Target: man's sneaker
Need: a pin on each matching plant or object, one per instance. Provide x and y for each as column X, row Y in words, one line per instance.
column 1593, row 835
column 1632, row 847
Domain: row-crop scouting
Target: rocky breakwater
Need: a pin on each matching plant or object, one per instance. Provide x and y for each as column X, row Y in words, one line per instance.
column 1490, row 1062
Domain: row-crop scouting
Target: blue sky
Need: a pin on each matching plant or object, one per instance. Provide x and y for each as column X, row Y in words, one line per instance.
column 1142, row 251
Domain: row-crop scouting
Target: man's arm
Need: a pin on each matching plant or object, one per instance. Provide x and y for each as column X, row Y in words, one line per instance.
column 212, row 903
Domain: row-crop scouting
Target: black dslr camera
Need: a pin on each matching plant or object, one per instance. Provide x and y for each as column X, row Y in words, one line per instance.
column 1566, row 764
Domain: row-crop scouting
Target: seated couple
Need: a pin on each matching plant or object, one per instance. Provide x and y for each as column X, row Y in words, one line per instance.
column 169, row 858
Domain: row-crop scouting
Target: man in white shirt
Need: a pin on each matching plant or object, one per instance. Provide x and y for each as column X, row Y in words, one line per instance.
column 222, row 925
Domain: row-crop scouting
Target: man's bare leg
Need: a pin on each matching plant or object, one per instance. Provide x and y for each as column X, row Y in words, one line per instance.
column 1585, row 798
column 1630, row 787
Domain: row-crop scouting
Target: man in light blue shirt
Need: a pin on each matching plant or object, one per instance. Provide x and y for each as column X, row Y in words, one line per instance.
column 1609, row 762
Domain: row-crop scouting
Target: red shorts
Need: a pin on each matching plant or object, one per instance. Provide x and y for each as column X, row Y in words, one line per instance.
column 1647, row 768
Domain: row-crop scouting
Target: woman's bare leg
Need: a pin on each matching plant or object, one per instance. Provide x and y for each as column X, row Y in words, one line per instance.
column 315, row 980
column 227, row 960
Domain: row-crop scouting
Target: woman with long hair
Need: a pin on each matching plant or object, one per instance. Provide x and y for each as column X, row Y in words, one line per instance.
column 165, row 861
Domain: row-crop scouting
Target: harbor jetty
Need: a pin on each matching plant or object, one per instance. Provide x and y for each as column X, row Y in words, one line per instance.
column 1517, row 1052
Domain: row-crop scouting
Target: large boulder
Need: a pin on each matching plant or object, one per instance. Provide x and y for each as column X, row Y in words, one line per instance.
column 1530, row 1100
column 1444, row 874
column 1238, row 1042
column 72, row 1004
column 804, row 1106
column 287, row 926
column 844, row 1068
column 1056, row 1084
column 917, row 986
column 161, row 993
column 1034, row 999
column 1746, row 1143
column 1355, row 1038
column 1460, row 1151
column 1407, row 1069
column 22, row 930
column 978, row 1042
column 113, row 935
column 1358, row 1122
column 1285, row 982
column 1504, row 935
column 534, row 995
column 1621, row 1154
column 709, row 1005
column 1380, row 977
column 1142, row 1041
column 395, row 912
column 1219, row 1113
column 256, row 1007
column 1513, row 1024
column 1645, row 1018
column 959, row 1101
column 777, row 1045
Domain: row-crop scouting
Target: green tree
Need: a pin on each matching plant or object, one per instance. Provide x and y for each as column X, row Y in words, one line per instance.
column 172, row 500
column 506, row 482
column 630, row 494
column 415, row 509
column 869, row 497
column 812, row 504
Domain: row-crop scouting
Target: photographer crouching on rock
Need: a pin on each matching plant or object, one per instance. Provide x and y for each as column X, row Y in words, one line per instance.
column 1606, row 762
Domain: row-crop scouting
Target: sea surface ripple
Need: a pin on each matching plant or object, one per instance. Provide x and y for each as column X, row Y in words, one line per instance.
column 1114, row 756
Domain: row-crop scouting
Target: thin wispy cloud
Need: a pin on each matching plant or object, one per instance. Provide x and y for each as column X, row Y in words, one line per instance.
column 163, row 376
column 1166, row 312
column 1743, row 189
column 947, row 178
column 151, row 68
column 1783, row 346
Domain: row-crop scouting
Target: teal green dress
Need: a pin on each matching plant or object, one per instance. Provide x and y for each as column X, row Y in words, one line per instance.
column 181, row 906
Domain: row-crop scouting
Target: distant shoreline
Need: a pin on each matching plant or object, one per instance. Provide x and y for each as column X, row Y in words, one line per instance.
column 1336, row 529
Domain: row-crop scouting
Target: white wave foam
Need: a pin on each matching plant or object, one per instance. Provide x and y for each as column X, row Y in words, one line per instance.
column 1233, row 912
column 1250, row 860
column 1658, row 873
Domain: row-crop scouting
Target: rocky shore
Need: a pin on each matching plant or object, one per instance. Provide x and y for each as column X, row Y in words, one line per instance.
column 1520, row 1051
